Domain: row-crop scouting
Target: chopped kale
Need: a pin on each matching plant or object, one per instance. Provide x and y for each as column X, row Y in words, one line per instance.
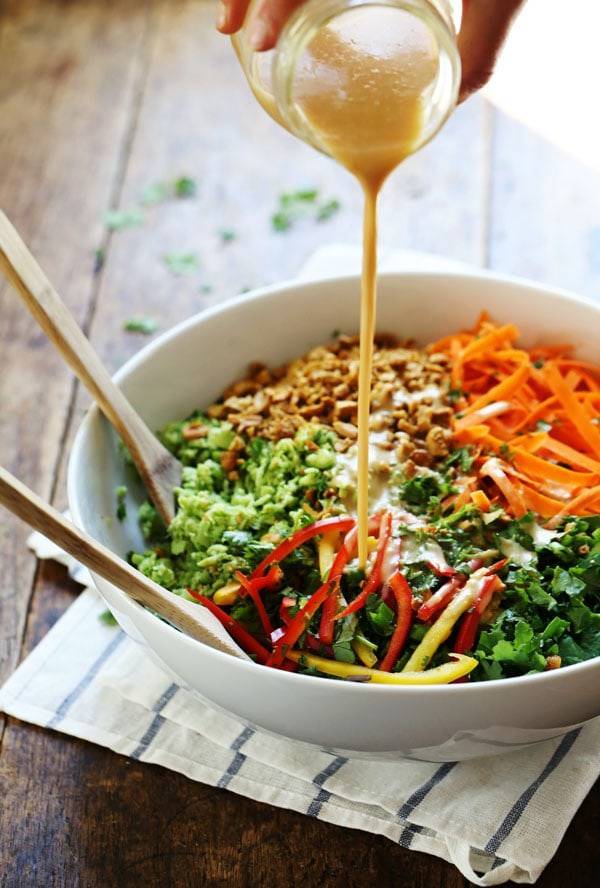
column 120, row 496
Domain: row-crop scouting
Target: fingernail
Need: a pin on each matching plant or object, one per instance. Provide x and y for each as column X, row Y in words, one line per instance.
column 259, row 32
column 222, row 16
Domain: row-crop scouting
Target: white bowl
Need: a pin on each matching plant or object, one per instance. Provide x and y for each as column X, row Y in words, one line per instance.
column 188, row 367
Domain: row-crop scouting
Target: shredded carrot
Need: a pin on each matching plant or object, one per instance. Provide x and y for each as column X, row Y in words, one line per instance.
column 585, row 498
column 481, row 500
column 573, row 409
column 503, row 390
column 538, row 410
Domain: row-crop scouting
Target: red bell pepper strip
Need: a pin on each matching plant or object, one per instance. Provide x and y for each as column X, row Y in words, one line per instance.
column 465, row 638
column 345, row 553
column 243, row 638
column 403, row 595
column 373, row 581
column 440, row 598
column 330, row 608
column 298, row 625
column 302, row 536
column 253, row 588
column 497, row 566
column 441, row 571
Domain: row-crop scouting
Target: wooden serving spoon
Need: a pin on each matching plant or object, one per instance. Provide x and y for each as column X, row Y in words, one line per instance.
column 192, row 619
column 160, row 470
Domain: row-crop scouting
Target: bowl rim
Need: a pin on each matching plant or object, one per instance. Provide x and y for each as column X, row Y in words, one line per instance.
column 146, row 353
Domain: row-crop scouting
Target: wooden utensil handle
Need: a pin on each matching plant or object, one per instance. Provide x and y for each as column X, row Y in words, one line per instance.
column 22, row 270
column 21, row 501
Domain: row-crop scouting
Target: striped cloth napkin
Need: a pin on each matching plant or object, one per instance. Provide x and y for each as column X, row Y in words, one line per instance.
column 495, row 819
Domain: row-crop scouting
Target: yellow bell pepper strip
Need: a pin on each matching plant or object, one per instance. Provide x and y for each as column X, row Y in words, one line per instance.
column 444, row 674
column 327, row 548
column 445, row 623
column 364, row 653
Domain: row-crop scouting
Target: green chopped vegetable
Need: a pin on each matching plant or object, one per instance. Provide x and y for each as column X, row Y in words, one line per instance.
column 120, row 496
column 297, row 204
column 115, row 220
column 327, row 210
column 182, row 263
column 185, row 186
column 154, row 194
column 147, row 326
column 107, row 618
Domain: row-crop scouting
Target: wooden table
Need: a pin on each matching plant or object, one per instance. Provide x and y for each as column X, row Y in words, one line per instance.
column 97, row 102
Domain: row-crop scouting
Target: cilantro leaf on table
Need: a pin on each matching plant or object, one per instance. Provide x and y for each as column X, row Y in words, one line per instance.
column 116, row 220
column 145, row 325
column 182, row 263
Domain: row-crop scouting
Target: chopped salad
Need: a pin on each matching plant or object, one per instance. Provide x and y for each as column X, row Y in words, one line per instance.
column 484, row 533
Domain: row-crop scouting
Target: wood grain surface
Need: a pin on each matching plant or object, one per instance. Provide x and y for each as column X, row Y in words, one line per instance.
column 98, row 101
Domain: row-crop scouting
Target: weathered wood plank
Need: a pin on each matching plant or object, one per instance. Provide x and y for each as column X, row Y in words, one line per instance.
column 68, row 74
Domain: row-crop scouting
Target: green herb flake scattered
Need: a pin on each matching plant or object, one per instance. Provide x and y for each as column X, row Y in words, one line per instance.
column 146, row 326
column 543, row 426
column 120, row 496
column 116, row 220
column 182, row 263
column 327, row 210
column 155, row 194
column 455, row 395
column 107, row 618
column 227, row 235
column 294, row 205
column 185, row 186
column 505, row 452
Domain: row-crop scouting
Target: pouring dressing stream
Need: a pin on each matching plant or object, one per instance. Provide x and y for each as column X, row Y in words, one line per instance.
column 361, row 88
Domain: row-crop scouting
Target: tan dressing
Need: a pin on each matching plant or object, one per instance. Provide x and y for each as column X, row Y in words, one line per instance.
column 360, row 87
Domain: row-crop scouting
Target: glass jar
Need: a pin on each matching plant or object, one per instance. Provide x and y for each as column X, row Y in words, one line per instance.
column 274, row 75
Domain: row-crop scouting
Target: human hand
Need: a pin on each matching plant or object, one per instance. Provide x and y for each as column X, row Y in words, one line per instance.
column 485, row 25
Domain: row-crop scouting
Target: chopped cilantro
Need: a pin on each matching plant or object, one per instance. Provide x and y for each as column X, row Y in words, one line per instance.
column 227, row 235
column 297, row 204
column 462, row 458
column 205, row 289
column 185, row 186
column 505, row 452
column 182, row 263
column 115, row 220
column 543, row 426
column 327, row 210
column 154, row 194
column 147, row 326
column 455, row 395
column 107, row 618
